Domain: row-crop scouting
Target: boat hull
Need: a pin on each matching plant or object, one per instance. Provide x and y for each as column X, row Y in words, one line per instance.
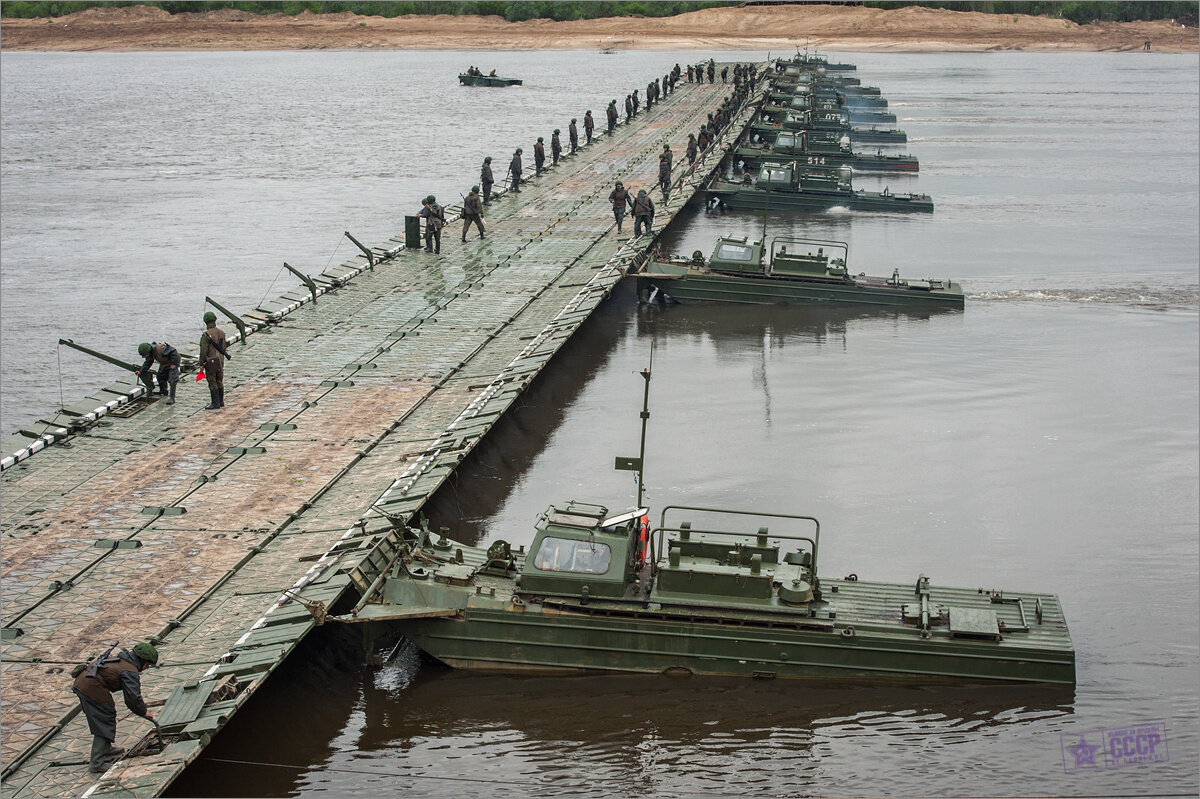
column 763, row 290
column 488, row 80
column 757, row 199
column 536, row 638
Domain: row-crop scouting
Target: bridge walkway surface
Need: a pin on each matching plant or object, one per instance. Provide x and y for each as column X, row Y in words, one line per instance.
column 349, row 402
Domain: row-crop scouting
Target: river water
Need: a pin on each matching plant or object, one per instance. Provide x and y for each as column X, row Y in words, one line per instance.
column 1046, row 438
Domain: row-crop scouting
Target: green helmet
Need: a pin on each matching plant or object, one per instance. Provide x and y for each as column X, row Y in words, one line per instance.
column 556, row 131
column 539, row 138
column 641, row 192
column 432, row 199
column 146, row 653
column 487, row 160
column 144, row 350
column 210, row 318
column 475, row 188
column 572, row 119
column 619, row 183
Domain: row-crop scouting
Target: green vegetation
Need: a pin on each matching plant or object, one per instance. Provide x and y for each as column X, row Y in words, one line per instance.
column 1081, row 12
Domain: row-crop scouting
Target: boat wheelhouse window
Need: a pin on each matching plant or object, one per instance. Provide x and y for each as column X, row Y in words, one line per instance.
column 785, row 140
column 775, row 175
column 569, row 555
column 734, row 252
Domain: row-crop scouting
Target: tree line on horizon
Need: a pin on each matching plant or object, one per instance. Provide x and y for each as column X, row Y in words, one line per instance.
column 1080, row 12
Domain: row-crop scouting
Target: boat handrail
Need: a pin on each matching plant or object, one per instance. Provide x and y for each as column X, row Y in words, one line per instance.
column 663, row 529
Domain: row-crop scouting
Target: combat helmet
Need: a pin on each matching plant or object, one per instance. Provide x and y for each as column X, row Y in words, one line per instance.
column 144, row 349
column 210, row 318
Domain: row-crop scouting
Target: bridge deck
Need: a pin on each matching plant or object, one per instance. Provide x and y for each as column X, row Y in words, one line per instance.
column 136, row 518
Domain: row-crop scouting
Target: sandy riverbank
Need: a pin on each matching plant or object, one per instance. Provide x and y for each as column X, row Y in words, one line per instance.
column 779, row 28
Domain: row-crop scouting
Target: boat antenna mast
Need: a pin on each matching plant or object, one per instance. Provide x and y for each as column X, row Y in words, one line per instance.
column 637, row 464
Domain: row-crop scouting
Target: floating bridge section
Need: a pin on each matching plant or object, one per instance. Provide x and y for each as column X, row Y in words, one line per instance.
column 350, row 400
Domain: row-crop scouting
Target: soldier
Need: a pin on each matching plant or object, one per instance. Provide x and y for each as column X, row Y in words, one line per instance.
column 573, row 135
column 637, row 103
column 724, row 74
column 213, row 353
column 649, row 98
column 705, row 138
column 664, row 175
column 670, row 156
column 620, row 200
column 712, row 70
column 612, row 116
column 472, row 213
column 643, row 212
column 435, row 220
column 689, row 73
column 485, row 180
column 691, row 148
column 539, row 156
column 94, row 686
column 555, row 148
column 168, row 368
column 588, row 126
column 514, row 169
column 628, row 108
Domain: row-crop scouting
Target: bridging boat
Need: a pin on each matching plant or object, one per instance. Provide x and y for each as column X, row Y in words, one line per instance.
column 796, row 270
column 700, row 591
column 821, row 149
column 474, row 77
column 789, row 186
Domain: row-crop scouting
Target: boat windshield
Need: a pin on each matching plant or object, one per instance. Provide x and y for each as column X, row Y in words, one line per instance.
column 569, row 555
column 734, row 252
column 774, row 174
column 785, row 140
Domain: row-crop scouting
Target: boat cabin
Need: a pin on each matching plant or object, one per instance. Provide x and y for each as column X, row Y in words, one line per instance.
column 736, row 254
column 801, row 142
column 791, row 178
column 580, row 550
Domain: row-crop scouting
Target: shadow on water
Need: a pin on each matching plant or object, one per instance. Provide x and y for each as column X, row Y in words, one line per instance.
column 480, row 485
column 568, row 734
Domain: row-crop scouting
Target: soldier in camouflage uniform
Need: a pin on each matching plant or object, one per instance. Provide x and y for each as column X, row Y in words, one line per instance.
column 213, row 352
column 167, row 358
column 94, row 686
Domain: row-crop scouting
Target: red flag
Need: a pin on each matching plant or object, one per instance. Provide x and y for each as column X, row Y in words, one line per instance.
column 199, row 375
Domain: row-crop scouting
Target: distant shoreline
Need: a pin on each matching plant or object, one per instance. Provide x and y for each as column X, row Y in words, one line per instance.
column 776, row 28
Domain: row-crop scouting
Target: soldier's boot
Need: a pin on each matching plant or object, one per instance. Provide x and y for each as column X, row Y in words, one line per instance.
column 221, row 395
column 98, row 763
column 214, row 400
column 171, row 396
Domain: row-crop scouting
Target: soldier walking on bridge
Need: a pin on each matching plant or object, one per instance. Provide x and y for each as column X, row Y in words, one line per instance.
column 94, row 686
column 589, row 125
column 620, row 200
column 573, row 135
column 472, row 213
column 539, row 156
column 628, row 108
column 514, row 169
column 691, row 148
column 612, row 117
column 643, row 212
column 213, row 353
column 724, row 74
column 167, row 358
column 637, row 103
column 485, row 180
column 664, row 176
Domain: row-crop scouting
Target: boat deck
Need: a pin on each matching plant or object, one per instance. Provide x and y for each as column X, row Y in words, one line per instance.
column 348, row 404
